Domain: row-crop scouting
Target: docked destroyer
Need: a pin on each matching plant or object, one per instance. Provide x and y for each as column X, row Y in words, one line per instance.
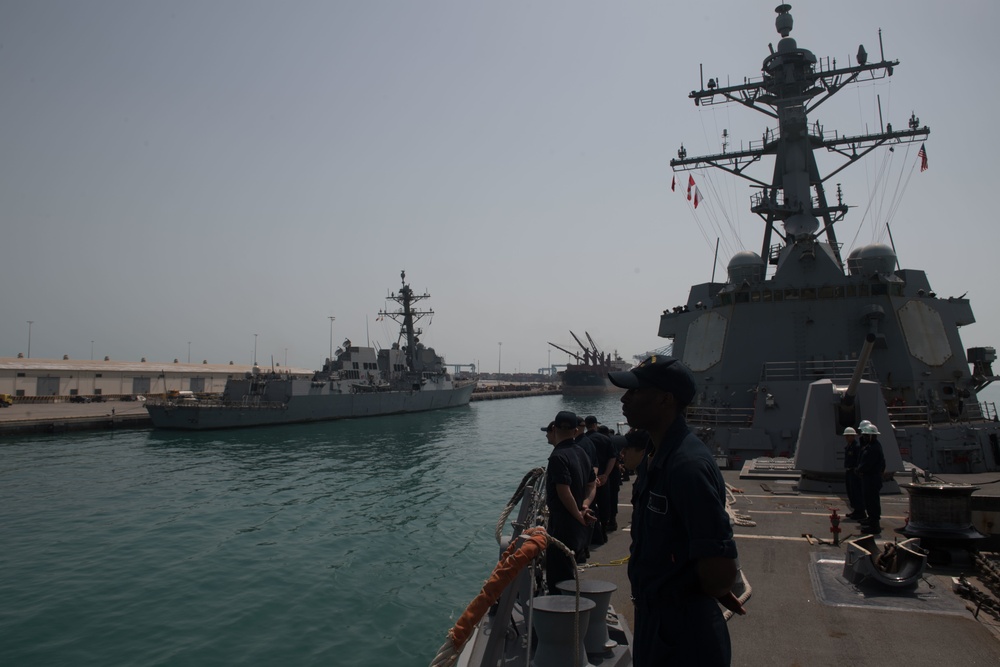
column 357, row 382
column 799, row 311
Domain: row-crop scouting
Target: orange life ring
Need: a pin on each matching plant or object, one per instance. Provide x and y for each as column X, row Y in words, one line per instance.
column 512, row 562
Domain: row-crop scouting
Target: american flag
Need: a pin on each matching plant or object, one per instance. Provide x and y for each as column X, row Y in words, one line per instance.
column 922, row 153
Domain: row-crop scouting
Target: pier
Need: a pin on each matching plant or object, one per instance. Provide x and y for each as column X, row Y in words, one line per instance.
column 57, row 414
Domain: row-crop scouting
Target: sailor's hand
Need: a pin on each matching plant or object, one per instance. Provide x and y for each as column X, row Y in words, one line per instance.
column 732, row 603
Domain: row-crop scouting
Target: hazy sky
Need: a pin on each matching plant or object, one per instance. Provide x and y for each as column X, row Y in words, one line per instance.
column 207, row 170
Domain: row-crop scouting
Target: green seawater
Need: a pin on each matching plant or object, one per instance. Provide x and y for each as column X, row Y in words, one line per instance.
column 346, row 543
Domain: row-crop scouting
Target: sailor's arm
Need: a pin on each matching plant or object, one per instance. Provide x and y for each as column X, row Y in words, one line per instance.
column 569, row 502
column 716, row 575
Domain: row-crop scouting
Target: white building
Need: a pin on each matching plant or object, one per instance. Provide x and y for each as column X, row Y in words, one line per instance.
column 66, row 377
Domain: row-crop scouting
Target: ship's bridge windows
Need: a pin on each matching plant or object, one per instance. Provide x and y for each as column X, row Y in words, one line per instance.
column 755, row 297
column 765, row 295
column 863, row 290
column 880, row 289
column 354, row 365
column 791, row 294
column 828, row 292
column 726, row 299
column 896, row 289
column 742, row 297
column 809, row 293
column 779, row 295
column 852, row 291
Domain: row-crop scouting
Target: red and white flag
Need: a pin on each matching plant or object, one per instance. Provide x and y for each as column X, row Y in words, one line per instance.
column 922, row 154
column 673, row 183
column 690, row 185
column 697, row 196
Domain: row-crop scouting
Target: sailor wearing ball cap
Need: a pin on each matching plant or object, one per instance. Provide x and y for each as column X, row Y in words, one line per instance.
column 683, row 557
column 570, row 485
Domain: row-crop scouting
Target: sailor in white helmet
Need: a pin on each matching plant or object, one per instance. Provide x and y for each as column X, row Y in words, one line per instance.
column 871, row 466
column 852, row 452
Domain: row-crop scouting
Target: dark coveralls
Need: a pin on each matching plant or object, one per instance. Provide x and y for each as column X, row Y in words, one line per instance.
column 605, row 452
column 855, row 496
column 678, row 517
column 568, row 464
column 618, row 442
column 871, row 465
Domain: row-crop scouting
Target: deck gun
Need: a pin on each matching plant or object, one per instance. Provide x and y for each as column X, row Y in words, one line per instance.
column 848, row 411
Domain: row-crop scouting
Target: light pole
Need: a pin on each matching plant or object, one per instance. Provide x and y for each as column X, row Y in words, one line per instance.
column 332, row 318
column 499, row 356
column 30, row 322
column 255, row 349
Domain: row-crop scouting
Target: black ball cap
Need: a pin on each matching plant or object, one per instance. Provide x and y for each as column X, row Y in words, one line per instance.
column 565, row 419
column 664, row 373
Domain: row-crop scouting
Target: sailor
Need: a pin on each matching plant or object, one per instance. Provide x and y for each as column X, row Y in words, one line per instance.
column 615, row 480
column 607, row 461
column 570, row 485
column 871, row 466
column 852, row 450
column 583, row 441
column 683, row 556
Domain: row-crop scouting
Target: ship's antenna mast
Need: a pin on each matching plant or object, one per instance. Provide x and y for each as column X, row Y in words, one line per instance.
column 794, row 83
column 407, row 317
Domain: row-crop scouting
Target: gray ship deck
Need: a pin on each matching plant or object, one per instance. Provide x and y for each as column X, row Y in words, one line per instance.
column 802, row 612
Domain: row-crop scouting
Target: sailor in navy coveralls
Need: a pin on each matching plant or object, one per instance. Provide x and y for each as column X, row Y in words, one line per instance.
column 683, row 556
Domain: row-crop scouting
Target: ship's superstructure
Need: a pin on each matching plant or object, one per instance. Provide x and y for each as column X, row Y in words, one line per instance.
column 359, row 381
column 755, row 342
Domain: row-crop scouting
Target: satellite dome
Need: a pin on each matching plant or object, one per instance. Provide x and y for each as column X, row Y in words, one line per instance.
column 746, row 266
column 877, row 258
column 854, row 262
column 801, row 224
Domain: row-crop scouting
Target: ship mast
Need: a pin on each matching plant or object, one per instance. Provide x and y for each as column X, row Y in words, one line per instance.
column 792, row 85
column 407, row 318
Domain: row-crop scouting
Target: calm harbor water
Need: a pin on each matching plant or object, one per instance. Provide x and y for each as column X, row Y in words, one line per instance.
column 346, row 543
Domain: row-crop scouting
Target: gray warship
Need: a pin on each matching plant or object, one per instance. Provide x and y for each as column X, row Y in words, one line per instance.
column 357, row 382
column 799, row 311
column 788, row 373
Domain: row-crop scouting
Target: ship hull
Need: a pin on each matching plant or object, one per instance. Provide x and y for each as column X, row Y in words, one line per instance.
column 588, row 381
column 303, row 409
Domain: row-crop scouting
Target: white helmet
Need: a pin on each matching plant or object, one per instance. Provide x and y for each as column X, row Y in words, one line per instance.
column 850, row 431
column 863, row 425
column 870, row 429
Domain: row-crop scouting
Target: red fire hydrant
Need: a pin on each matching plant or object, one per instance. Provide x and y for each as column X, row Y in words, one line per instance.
column 835, row 527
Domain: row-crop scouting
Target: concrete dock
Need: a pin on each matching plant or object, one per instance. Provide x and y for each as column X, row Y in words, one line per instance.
column 57, row 416
column 23, row 417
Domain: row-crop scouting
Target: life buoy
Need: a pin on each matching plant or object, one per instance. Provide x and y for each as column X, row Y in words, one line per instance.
column 513, row 560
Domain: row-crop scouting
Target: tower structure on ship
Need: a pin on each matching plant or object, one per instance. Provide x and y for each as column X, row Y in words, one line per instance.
column 756, row 341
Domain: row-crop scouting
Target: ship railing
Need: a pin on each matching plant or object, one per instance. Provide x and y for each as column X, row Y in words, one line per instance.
column 837, row 370
column 918, row 415
column 707, row 416
column 908, row 415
